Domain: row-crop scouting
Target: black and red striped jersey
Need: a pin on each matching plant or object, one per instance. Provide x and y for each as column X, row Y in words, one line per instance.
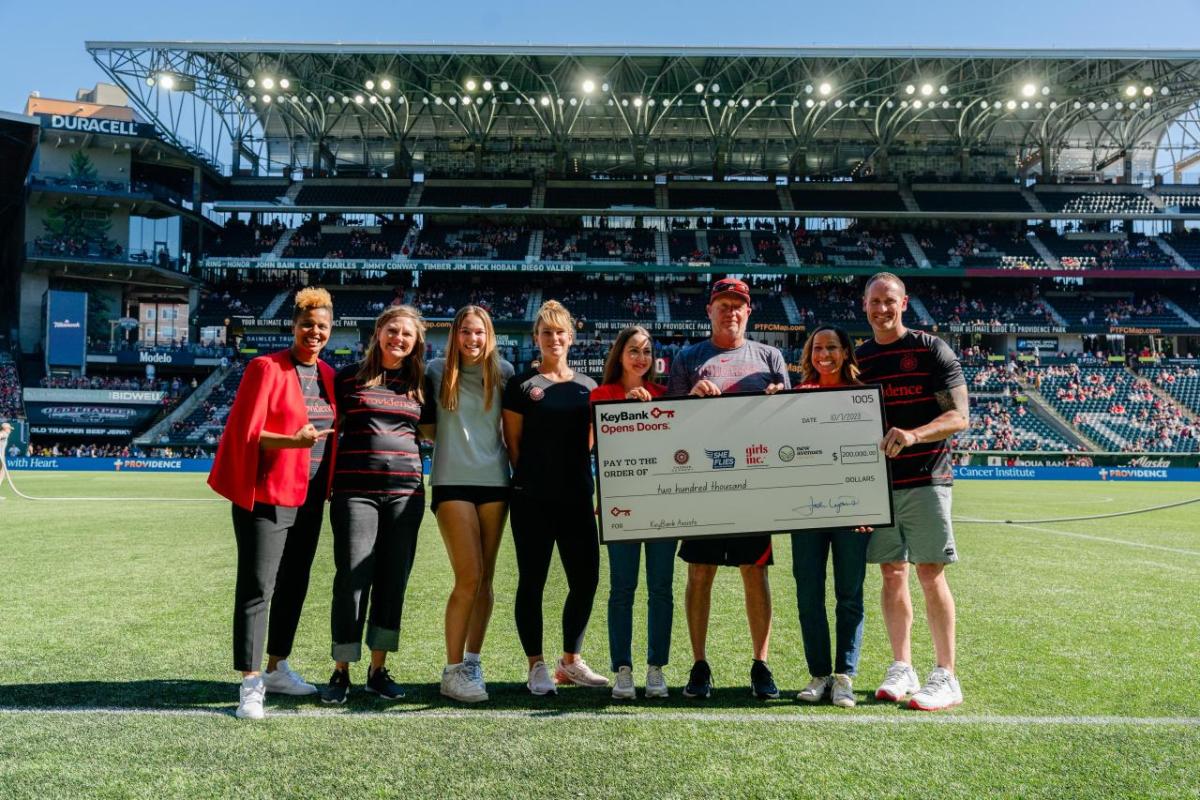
column 378, row 452
column 912, row 370
column 320, row 412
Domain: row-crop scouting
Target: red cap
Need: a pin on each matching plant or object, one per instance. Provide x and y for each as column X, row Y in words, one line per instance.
column 730, row 286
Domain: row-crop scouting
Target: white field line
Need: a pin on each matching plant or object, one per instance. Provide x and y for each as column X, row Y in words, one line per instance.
column 1110, row 540
column 533, row 714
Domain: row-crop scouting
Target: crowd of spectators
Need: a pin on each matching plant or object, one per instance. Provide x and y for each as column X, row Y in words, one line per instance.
column 11, row 405
column 93, row 450
column 172, row 388
column 240, row 239
column 998, row 425
column 78, row 247
column 955, row 307
column 490, row 242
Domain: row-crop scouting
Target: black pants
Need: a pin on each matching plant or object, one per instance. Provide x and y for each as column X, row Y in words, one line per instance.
column 276, row 545
column 537, row 525
column 374, row 542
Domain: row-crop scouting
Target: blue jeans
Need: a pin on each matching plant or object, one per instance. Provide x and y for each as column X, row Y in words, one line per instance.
column 810, row 553
column 624, row 559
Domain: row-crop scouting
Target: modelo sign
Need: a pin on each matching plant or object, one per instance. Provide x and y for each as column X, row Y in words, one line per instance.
column 66, row 329
column 107, row 127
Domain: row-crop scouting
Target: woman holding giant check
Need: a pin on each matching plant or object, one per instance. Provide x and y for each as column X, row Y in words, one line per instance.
column 828, row 361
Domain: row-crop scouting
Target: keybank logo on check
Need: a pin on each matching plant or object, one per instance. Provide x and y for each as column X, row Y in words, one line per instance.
column 632, row 416
column 721, row 459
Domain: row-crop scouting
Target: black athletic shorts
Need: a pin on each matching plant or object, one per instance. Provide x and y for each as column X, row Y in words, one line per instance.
column 728, row 551
column 471, row 494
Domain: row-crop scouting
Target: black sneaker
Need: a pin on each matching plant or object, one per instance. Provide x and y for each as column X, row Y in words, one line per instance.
column 338, row 689
column 699, row 683
column 380, row 682
column 762, row 684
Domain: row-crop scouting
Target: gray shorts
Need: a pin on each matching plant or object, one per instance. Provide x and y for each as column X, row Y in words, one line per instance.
column 923, row 533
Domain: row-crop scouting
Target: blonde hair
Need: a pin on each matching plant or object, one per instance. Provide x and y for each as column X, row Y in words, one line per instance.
column 448, row 393
column 412, row 368
column 309, row 298
column 614, row 370
column 554, row 313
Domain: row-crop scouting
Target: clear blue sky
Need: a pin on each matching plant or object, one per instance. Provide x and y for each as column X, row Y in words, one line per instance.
column 41, row 43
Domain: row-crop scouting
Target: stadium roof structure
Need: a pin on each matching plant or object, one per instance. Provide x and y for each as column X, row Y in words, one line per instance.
column 640, row 110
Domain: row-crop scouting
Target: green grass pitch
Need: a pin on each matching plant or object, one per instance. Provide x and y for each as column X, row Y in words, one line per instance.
column 1079, row 654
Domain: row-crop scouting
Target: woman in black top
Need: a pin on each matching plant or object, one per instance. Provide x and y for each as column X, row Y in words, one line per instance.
column 546, row 420
column 378, row 498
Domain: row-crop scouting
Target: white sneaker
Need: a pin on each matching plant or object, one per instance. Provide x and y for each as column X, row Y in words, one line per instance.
column 540, row 682
column 458, row 684
column 656, row 684
column 623, row 686
column 578, row 673
column 250, row 698
column 815, row 691
column 901, row 681
column 940, row 691
column 283, row 681
column 842, row 692
column 474, row 670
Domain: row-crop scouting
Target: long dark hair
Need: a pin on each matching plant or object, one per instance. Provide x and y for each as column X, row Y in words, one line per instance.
column 850, row 370
column 412, row 369
column 613, row 370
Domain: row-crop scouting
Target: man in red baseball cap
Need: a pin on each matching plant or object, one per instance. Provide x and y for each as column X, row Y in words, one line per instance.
column 728, row 362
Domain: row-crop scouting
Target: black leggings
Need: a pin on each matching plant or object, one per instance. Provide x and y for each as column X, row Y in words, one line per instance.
column 537, row 525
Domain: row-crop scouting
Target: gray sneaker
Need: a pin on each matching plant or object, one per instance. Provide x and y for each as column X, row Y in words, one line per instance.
column 656, row 684
column 815, row 691
column 457, row 684
column 623, row 686
column 842, row 693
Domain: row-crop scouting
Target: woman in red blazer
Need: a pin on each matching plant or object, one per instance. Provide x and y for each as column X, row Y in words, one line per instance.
column 275, row 463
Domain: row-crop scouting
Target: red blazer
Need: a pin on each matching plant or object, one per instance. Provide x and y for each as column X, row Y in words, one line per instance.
column 270, row 399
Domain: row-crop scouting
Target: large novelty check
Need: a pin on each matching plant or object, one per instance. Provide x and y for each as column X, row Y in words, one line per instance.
column 739, row 464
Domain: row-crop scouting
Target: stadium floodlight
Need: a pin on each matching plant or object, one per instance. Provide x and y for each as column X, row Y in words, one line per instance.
column 504, row 86
column 699, row 88
column 716, row 87
column 1029, row 89
column 1078, row 105
column 518, row 101
column 926, row 89
column 573, row 101
column 1025, row 104
column 853, row 103
column 1121, row 105
column 252, row 99
column 745, row 103
column 386, row 85
column 904, row 103
column 997, row 105
column 478, row 101
column 945, row 104
column 1164, row 91
column 589, row 86
column 1038, row 105
column 1053, row 105
column 809, row 103
column 559, row 100
column 667, row 103
column 916, row 104
column 866, row 103
column 545, row 100
column 958, row 104
column 625, row 102
column 1104, row 106
column 251, row 82
column 821, row 103
column 1147, row 91
column 437, row 101
column 1045, row 90
column 284, row 83
column 329, row 99
column 388, row 100
column 1011, row 105
column 943, row 89
column 466, row 100
column 266, row 98
column 310, row 99
column 400, row 100
column 149, row 80
column 910, row 89
column 374, row 100
column 166, row 81
column 890, row 104
column 1091, row 105
column 487, row 86
column 604, row 87
column 471, row 84
column 358, row 98
column 370, row 84
column 637, row 102
column 268, row 82
column 453, row 100
column 825, row 89
column 1131, row 91
column 650, row 102
column 425, row 100
column 758, row 103
column 808, row 88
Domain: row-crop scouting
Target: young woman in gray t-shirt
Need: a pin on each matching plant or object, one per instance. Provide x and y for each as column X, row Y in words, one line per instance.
column 470, row 479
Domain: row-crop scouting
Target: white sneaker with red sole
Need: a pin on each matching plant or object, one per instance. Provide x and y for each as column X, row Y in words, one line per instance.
column 900, row 682
column 939, row 692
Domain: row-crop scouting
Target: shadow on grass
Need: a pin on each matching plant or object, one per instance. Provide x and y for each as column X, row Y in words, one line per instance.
column 174, row 695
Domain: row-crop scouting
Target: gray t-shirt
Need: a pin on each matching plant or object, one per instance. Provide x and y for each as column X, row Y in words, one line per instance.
column 749, row 368
column 468, row 449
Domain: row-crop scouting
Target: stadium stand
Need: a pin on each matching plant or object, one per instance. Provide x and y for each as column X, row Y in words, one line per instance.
column 506, row 297
column 315, row 240
column 741, row 195
column 353, row 194
column 805, row 198
column 239, row 239
column 960, row 200
column 488, row 242
column 235, row 300
column 1186, row 243
column 623, row 245
column 1181, row 382
column 1118, row 409
column 852, row 247
column 11, row 404
column 1114, row 203
column 995, row 308
column 600, row 194
column 475, row 195
column 1142, row 309
column 980, row 246
column 1134, row 252
column 599, row 299
column 1006, row 424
